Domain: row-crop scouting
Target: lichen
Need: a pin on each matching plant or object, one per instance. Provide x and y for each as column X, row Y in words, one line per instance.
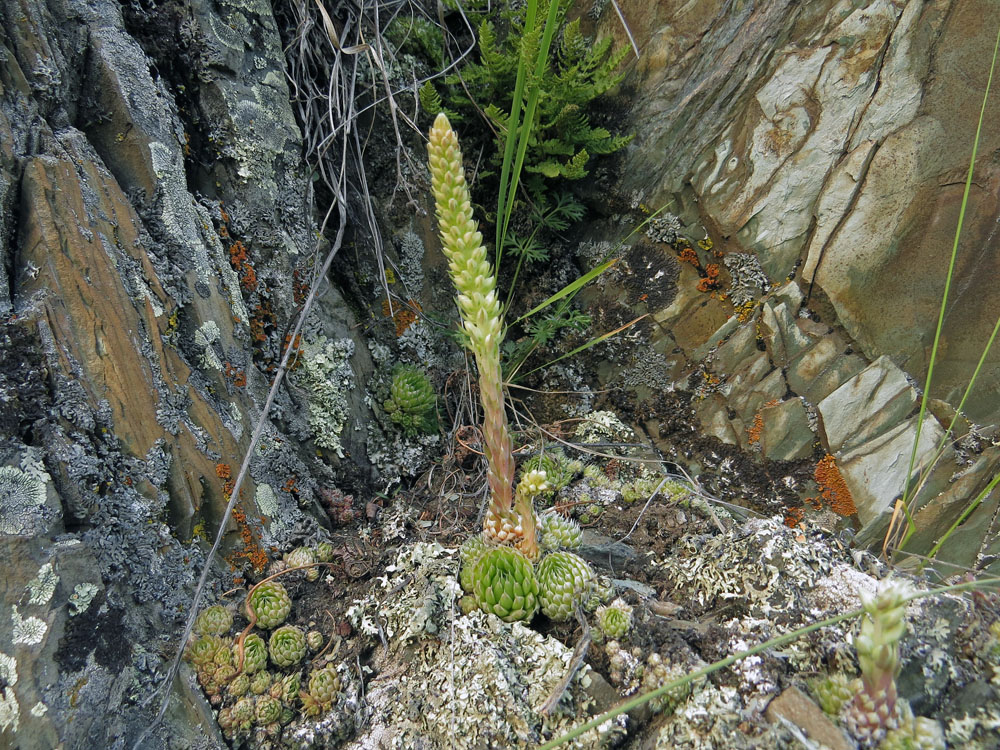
column 326, row 376
column 27, row 630
column 9, row 711
column 83, row 594
column 43, row 585
column 8, row 669
column 479, row 681
column 22, row 501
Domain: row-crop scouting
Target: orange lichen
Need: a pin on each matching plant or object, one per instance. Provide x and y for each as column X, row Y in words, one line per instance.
column 794, row 516
column 223, row 471
column 402, row 315
column 833, row 488
column 688, row 255
column 711, row 279
column 755, row 429
column 238, row 377
column 252, row 552
column 300, row 288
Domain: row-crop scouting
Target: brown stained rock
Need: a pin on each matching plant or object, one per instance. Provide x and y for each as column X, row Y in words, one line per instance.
column 797, row 708
column 785, row 434
column 77, row 240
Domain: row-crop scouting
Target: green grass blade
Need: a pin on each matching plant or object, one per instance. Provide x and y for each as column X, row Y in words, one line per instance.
column 950, row 432
column 570, row 288
column 947, row 288
column 510, row 140
column 961, row 519
column 584, row 347
column 524, row 134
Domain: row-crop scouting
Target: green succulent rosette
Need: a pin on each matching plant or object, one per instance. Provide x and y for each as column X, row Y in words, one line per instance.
column 214, row 620
column 254, row 654
column 916, row 734
column 287, row 646
column 504, row 584
column 303, row 556
column 614, row 620
column 559, row 471
column 315, row 640
column 834, row 691
column 287, row 690
column 469, row 553
column 564, row 581
column 556, row 532
column 324, row 684
column 243, row 714
column 271, row 604
column 412, row 402
column 260, row 683
column 324, row 552
column 240, row 686
column 657, row 673
column 267, row 710
column 202, row 650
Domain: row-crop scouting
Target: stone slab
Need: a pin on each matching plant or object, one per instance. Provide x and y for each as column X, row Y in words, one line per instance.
column 796, row 707
column 876, row 470
column 867, row 405
column 786, row 434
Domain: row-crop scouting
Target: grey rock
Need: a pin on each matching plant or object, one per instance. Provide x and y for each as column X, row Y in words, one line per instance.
column 784, row 339
column 820, row 370
column 876, row 470
column 867, row 405
column 786, row 434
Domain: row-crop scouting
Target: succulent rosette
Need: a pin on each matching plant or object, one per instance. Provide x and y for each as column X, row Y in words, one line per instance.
column 504, row 584
column 324, row 684
column 614, row 620
column 254, row 654
column 214, row 620
column 267, row 710
column 556, row 532
column 202, row 650
column 303, row 556
column 469, row 553
column 564, row 581
column 411, row 403
column 833, row 692
column 271, row 604
column 287, row 646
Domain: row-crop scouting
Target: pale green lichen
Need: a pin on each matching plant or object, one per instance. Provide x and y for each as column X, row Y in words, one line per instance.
column 83, row 594
column 43, row 585
column 27, row 630
column 326, row 375
column 479, row 681
column 206, row 335
column 8, row 669
column 10, row 717
column 39, row 709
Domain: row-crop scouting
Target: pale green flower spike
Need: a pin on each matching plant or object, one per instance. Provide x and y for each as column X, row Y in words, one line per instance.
column 482, row 320
column 876, row 709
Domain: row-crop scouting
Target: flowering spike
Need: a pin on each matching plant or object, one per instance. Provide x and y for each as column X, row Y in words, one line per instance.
column 482, row 319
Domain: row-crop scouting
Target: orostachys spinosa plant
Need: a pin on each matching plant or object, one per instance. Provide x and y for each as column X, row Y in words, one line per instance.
column 498, row 583
column 482, row 320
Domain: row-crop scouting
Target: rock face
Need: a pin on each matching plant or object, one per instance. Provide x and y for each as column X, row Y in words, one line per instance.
column 828, row 144
column 154, row 208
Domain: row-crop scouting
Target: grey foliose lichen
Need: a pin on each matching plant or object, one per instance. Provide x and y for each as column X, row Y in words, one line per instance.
column 325, row 374
column 22, row 502
column 478, row 680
